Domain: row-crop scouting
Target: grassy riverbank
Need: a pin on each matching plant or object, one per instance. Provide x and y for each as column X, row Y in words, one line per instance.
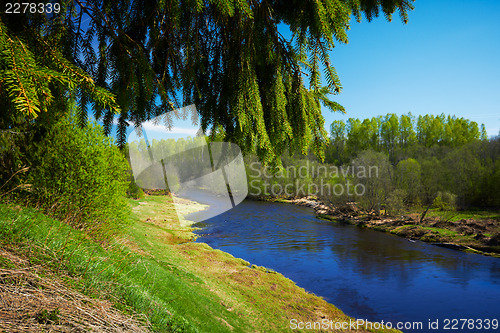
column 476, row 233
column 150, row 274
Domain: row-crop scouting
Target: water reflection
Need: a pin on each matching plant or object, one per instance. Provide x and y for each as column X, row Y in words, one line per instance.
column 367, row 274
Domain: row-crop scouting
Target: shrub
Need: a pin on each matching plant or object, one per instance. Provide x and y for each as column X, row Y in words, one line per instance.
column 395, row 202
column 445, row 201
column 80, row 176
column 134, row 191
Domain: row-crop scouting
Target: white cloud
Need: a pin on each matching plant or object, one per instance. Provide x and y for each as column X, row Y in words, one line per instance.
column 150, row 126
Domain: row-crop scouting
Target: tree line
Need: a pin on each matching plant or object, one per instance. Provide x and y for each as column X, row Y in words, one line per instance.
column 391, row 134
column 444, row 161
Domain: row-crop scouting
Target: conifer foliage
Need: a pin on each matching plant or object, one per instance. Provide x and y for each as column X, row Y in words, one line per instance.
column 139, row 59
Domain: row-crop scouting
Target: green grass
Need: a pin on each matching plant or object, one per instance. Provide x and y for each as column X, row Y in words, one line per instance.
column 455, row 216
column 441, row 231
column 141, row 283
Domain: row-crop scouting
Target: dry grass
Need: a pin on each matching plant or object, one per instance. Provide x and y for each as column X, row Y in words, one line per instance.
column 161, row 212
column 35, row 301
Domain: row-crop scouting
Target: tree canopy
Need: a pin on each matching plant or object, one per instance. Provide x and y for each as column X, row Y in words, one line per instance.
column 138, row 59
column 393, row 134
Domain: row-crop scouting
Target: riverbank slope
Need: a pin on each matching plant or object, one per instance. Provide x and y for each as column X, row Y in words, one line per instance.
column 156, row 275
column 250, row 298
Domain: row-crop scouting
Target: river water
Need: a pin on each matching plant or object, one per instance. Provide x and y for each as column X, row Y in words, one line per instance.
column 367, row 274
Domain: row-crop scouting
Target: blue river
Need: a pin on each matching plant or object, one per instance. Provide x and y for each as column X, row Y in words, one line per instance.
column 367, row 274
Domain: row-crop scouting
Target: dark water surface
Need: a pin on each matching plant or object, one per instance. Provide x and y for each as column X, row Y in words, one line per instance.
column 367, row 274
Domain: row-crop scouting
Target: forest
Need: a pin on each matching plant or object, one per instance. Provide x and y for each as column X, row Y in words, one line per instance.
column 444, row 161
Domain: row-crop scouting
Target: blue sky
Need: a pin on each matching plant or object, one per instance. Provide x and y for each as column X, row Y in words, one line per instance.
column 445, row 60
